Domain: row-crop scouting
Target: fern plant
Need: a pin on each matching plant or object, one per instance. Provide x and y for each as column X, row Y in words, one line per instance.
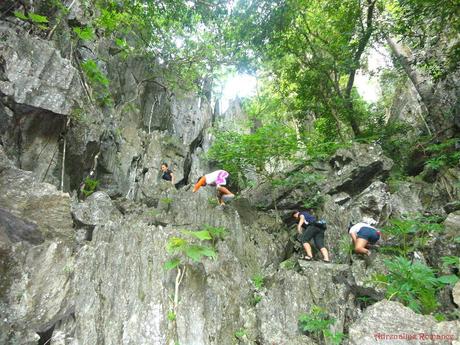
column 410, row 234
column 413, row 284
column 318, row 324
column 443, row 154
column 98, row 81
column 90, row 186
column 85, row 34
column 36, row 19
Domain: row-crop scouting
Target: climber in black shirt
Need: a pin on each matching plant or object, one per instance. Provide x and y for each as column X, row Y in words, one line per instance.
column 308, row 230
column 168, row 175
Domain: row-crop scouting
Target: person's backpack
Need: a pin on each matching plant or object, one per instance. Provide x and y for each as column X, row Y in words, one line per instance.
column 321, row 224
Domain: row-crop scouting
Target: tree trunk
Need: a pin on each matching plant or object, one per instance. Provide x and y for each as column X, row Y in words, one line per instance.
column 363, row 42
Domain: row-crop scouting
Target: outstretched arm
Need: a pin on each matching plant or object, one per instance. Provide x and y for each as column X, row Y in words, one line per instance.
column 299, row 225
column 353, row 237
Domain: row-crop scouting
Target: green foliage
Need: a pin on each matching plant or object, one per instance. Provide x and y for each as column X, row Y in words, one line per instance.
column 427, row 25
column 240, row 333
column 90, row 186
column 85, row 34
column 289, row 264
column 410, row 234
column 313, row 50
column 98, row 81
column 413, row 284
column 78, row 115
column 443, row 154
column 171, row 264
column 182, row 36
column 345, row 246
column 237, row 152
column 451, row 261
column 314, row 202
column 216, row 233
column 256, row 298
column 258, row 281
column 318, row 324
column 34, row 18
column 201, row 235
column 213, row 201
column 166, row 201
column 365, row 301
column 171, row 315
column 188, row 248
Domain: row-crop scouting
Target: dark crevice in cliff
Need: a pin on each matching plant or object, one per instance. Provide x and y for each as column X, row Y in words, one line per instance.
column 46, row 336
column 197, row 142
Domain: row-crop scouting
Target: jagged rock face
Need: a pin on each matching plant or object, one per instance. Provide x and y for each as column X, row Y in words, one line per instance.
column 456, row 294
column 291, row 294
column 36, row 238
column 452, row 223
column 38, row 88
column 35, row 75
column 349, row 172
column 95, row 210
column 36, row 203
column 391, row 322
column 148, row 124
column 406, row 199
column 214, row 295
column 355, row 168
column 91, row 272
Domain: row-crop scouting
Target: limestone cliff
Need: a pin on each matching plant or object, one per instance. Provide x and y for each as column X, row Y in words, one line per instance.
column 90, row 270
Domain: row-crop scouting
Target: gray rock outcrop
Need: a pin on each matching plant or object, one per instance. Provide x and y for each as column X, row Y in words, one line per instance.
column 389, row 322
column 35, row 75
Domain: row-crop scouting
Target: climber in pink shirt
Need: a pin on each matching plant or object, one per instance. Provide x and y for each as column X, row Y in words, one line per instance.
column 218, row 179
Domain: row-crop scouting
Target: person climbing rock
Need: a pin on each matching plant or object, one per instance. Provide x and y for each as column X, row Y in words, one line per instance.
column 307, row 229
column 167, row 175
column 363, row 234
column 218, row 179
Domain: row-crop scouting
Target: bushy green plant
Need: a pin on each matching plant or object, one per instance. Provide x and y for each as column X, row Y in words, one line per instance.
column 38, row 20
column 413, row 284
column 85, row 34
column 240, row 333
column 318, row 323
column 98, row 81
column 451, row 261
column 256, row 298
column 258, row 281
column 184, row 248
column 345, row 247
column 443, row 154
column 365, row 301
column 171, row 315
column 216, row 232
column 236, row 152
column 213, row 202
column 410, row 234
column 90, row 186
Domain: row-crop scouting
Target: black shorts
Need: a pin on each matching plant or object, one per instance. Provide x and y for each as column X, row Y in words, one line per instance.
column 313, row 232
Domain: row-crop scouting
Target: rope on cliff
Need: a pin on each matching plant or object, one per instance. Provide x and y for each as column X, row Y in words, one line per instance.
column 63, row 153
